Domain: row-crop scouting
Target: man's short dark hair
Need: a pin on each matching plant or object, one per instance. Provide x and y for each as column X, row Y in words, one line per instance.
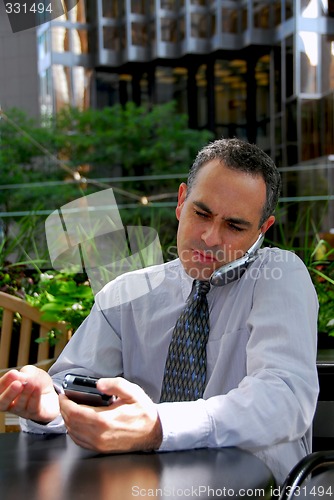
column 237, row 154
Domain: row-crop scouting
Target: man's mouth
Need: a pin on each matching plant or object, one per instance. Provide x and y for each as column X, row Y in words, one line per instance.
column 204, row 257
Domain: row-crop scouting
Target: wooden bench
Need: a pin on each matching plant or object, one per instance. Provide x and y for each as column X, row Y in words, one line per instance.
column 20, row 326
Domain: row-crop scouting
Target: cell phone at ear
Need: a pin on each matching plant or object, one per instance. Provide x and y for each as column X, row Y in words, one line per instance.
column 82, row 390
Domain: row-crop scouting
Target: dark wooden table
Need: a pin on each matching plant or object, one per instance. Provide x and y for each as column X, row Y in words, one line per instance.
column 52, row 467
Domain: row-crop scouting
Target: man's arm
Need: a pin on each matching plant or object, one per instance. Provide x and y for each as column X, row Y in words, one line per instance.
column 29, row 393
column 275, row 401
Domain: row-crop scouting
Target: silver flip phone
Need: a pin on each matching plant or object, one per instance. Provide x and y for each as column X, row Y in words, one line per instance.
column 235, row 269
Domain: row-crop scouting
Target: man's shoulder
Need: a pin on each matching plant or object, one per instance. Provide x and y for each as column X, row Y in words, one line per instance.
column 275, row 255
column 280, row 264
column 135, row 284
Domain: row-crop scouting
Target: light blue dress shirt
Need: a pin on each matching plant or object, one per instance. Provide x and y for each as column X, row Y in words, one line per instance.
column 262, row 383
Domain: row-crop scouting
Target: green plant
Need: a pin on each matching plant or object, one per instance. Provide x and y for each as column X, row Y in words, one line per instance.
column 321, row 269
column 303, row 238
column 62, row 296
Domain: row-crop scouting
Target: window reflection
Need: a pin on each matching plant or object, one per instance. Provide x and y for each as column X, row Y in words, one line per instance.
column 77, row 14
column 310, row 129
column 229, row 20
column 81, row 87
column 110, row 9
column 230, row 96
column 167, row 4
column 43, row 45
column 111, row 38
column 261, row 14
column 61, row 76
column 138, row 6
column 201, row 84
column 308, row 61
column 45, row 84
column 80, row 41
column 199, row 25
column 138, row 34
column 168, row 30
column 171, row 84
column 60, row 39
column 327, row 60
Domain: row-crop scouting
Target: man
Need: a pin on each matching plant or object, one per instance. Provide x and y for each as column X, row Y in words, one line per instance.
column 261, row 382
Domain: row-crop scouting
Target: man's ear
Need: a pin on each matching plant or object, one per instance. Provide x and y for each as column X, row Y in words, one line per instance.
column 266, row 225
column 180, row 199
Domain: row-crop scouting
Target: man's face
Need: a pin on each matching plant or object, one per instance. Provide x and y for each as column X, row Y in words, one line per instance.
column 219, row 219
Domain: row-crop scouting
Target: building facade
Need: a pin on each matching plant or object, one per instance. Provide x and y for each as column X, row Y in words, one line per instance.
column 19, row 79
column 262, row 70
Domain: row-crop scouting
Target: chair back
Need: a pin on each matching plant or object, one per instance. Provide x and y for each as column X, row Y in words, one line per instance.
column 21, row 325
column 298, row 483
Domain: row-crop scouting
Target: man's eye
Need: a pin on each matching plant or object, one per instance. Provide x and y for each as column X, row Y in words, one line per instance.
column 201, row 214
column 236, row 228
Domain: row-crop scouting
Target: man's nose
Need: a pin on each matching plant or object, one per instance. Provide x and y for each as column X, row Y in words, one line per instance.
column 212, row 236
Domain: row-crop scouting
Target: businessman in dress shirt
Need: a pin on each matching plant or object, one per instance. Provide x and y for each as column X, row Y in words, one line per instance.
column 261, row 383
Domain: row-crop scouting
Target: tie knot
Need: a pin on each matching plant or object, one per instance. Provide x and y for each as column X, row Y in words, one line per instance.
column 202, row 287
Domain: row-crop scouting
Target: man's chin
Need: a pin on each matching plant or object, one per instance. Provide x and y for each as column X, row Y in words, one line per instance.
column 202, row 273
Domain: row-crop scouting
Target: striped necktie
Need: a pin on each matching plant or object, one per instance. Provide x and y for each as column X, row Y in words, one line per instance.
column 185, row 369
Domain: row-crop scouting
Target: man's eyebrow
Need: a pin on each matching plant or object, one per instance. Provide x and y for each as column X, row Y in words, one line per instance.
column 232, row 220
column 203, row 206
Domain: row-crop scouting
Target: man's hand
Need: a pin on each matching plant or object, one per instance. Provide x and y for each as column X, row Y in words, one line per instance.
column 29, row 393
column 131, row 423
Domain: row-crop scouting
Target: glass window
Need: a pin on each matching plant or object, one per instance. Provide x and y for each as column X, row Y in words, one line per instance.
column 277, row 13
column 46, row 104
column 310, row 119
column 261, row 14
column 60, row 39
column 110, row 9
column 168, row 30
column 327, row 60
column 138, row 6
column 230, row 96
column 229, row 20
column 244, row 19
column 328, row 124
column 199, row 25
column 80, row 41
column 171, row 85
column 82, row 78
column 289, row 9
column 277, row 78
column 291, row 121
column 262, row 86
column 289, row 68
column 62, row 81
column 309, row 8
column 168, row 4
column 78, row 13
column 202, row 107
column 111, row 38
column 44, row 44
column 308, row 61
column 182, row 28
column 139, row 34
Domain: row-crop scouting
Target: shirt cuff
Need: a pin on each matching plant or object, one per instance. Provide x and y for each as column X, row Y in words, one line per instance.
column 185, row 425
column 57, row 426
